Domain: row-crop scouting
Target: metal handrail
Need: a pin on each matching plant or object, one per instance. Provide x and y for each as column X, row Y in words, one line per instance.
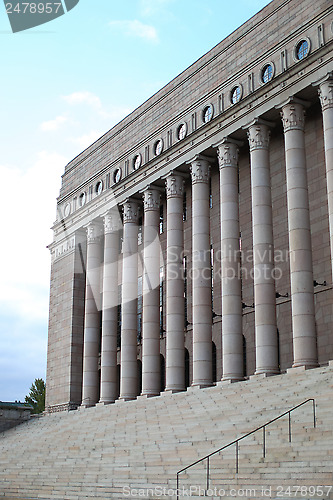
column 236, row 441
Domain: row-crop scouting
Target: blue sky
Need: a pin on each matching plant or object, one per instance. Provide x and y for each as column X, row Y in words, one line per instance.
column 63, row 84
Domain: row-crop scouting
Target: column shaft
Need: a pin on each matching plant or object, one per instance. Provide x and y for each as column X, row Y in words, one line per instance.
column 232, row 337
column 128, row 365
column 263, row 251
column 175, row 313
column 326, row 97
column 201, row 274
column 90, row 386
column 110, row 310
column 151, row 380
column 301, row 271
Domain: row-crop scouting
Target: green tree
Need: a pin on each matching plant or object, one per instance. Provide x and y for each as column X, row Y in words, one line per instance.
column 36, row 397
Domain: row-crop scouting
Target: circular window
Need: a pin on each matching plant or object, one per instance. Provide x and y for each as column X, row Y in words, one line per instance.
column 67, row 209
column 158, row 147
column 99, row 187
column 181, row 131
column 302, row 49
column 236, row 94
column 208, row 113
column 137, row 161
column 117, row 175
column 82, row 199
column 267, row 73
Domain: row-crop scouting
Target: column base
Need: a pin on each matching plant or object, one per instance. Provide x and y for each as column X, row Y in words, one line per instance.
column 200, row 385
column 148, row 395
column 299, row 368
column 105, row 402
column 84, row 406
column 267, row 373
column 173, row 391
column 306, row 365
column 124, row 399
column 231, row 380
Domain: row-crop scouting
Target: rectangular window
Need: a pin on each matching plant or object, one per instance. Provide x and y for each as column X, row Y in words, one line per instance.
column 161, row 300
column 139, row 326
column 212, row 273
column 119, row 317
column 210, row 194
column 184, row 207
column 120, row 240
column 140, row 235
column 161, row 219
column 185, row 291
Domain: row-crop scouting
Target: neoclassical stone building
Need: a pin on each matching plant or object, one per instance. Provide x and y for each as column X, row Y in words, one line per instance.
column 193, row 240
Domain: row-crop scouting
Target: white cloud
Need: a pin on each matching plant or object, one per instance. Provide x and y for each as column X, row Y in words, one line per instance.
column 84, row 97
column 53, row 125
column 137, row 29
column 93, row 101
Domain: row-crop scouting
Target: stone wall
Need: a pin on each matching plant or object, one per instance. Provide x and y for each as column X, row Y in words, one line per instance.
column 13, row 414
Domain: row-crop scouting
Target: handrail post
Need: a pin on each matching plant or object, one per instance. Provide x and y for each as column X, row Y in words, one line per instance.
column 264, row 441
column 314, row 413
column 177, row 486
column 289, row 426
column 207, row 484
column 237, row 457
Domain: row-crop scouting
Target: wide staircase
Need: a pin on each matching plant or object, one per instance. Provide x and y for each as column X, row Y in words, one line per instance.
column 134, row 449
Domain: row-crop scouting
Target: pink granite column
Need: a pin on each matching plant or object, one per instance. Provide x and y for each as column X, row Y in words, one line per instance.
column 301, row 270
column 201, row 274
column 91, row 342
column 175, row 312
column 110, row 309
column 263, row 251
column 232, row 333
column 128, row 362
column 151, row 379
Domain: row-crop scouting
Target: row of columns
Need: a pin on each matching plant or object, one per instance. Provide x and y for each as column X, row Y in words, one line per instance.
column 266, row 340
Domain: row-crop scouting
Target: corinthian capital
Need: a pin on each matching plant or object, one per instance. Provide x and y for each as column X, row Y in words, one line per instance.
column 93, row 232
column 151, row 199
column 326, row 94
column 110, row 222
column 258, row 134
column 293, row 116
column 200, row 170
column 131, row 211
column 174, row 186
column 227, row 153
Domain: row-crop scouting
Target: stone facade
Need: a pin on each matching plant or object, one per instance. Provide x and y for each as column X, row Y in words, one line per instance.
column 193, row 240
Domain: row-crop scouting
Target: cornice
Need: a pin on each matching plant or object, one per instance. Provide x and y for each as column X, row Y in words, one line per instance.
column 232, row 119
